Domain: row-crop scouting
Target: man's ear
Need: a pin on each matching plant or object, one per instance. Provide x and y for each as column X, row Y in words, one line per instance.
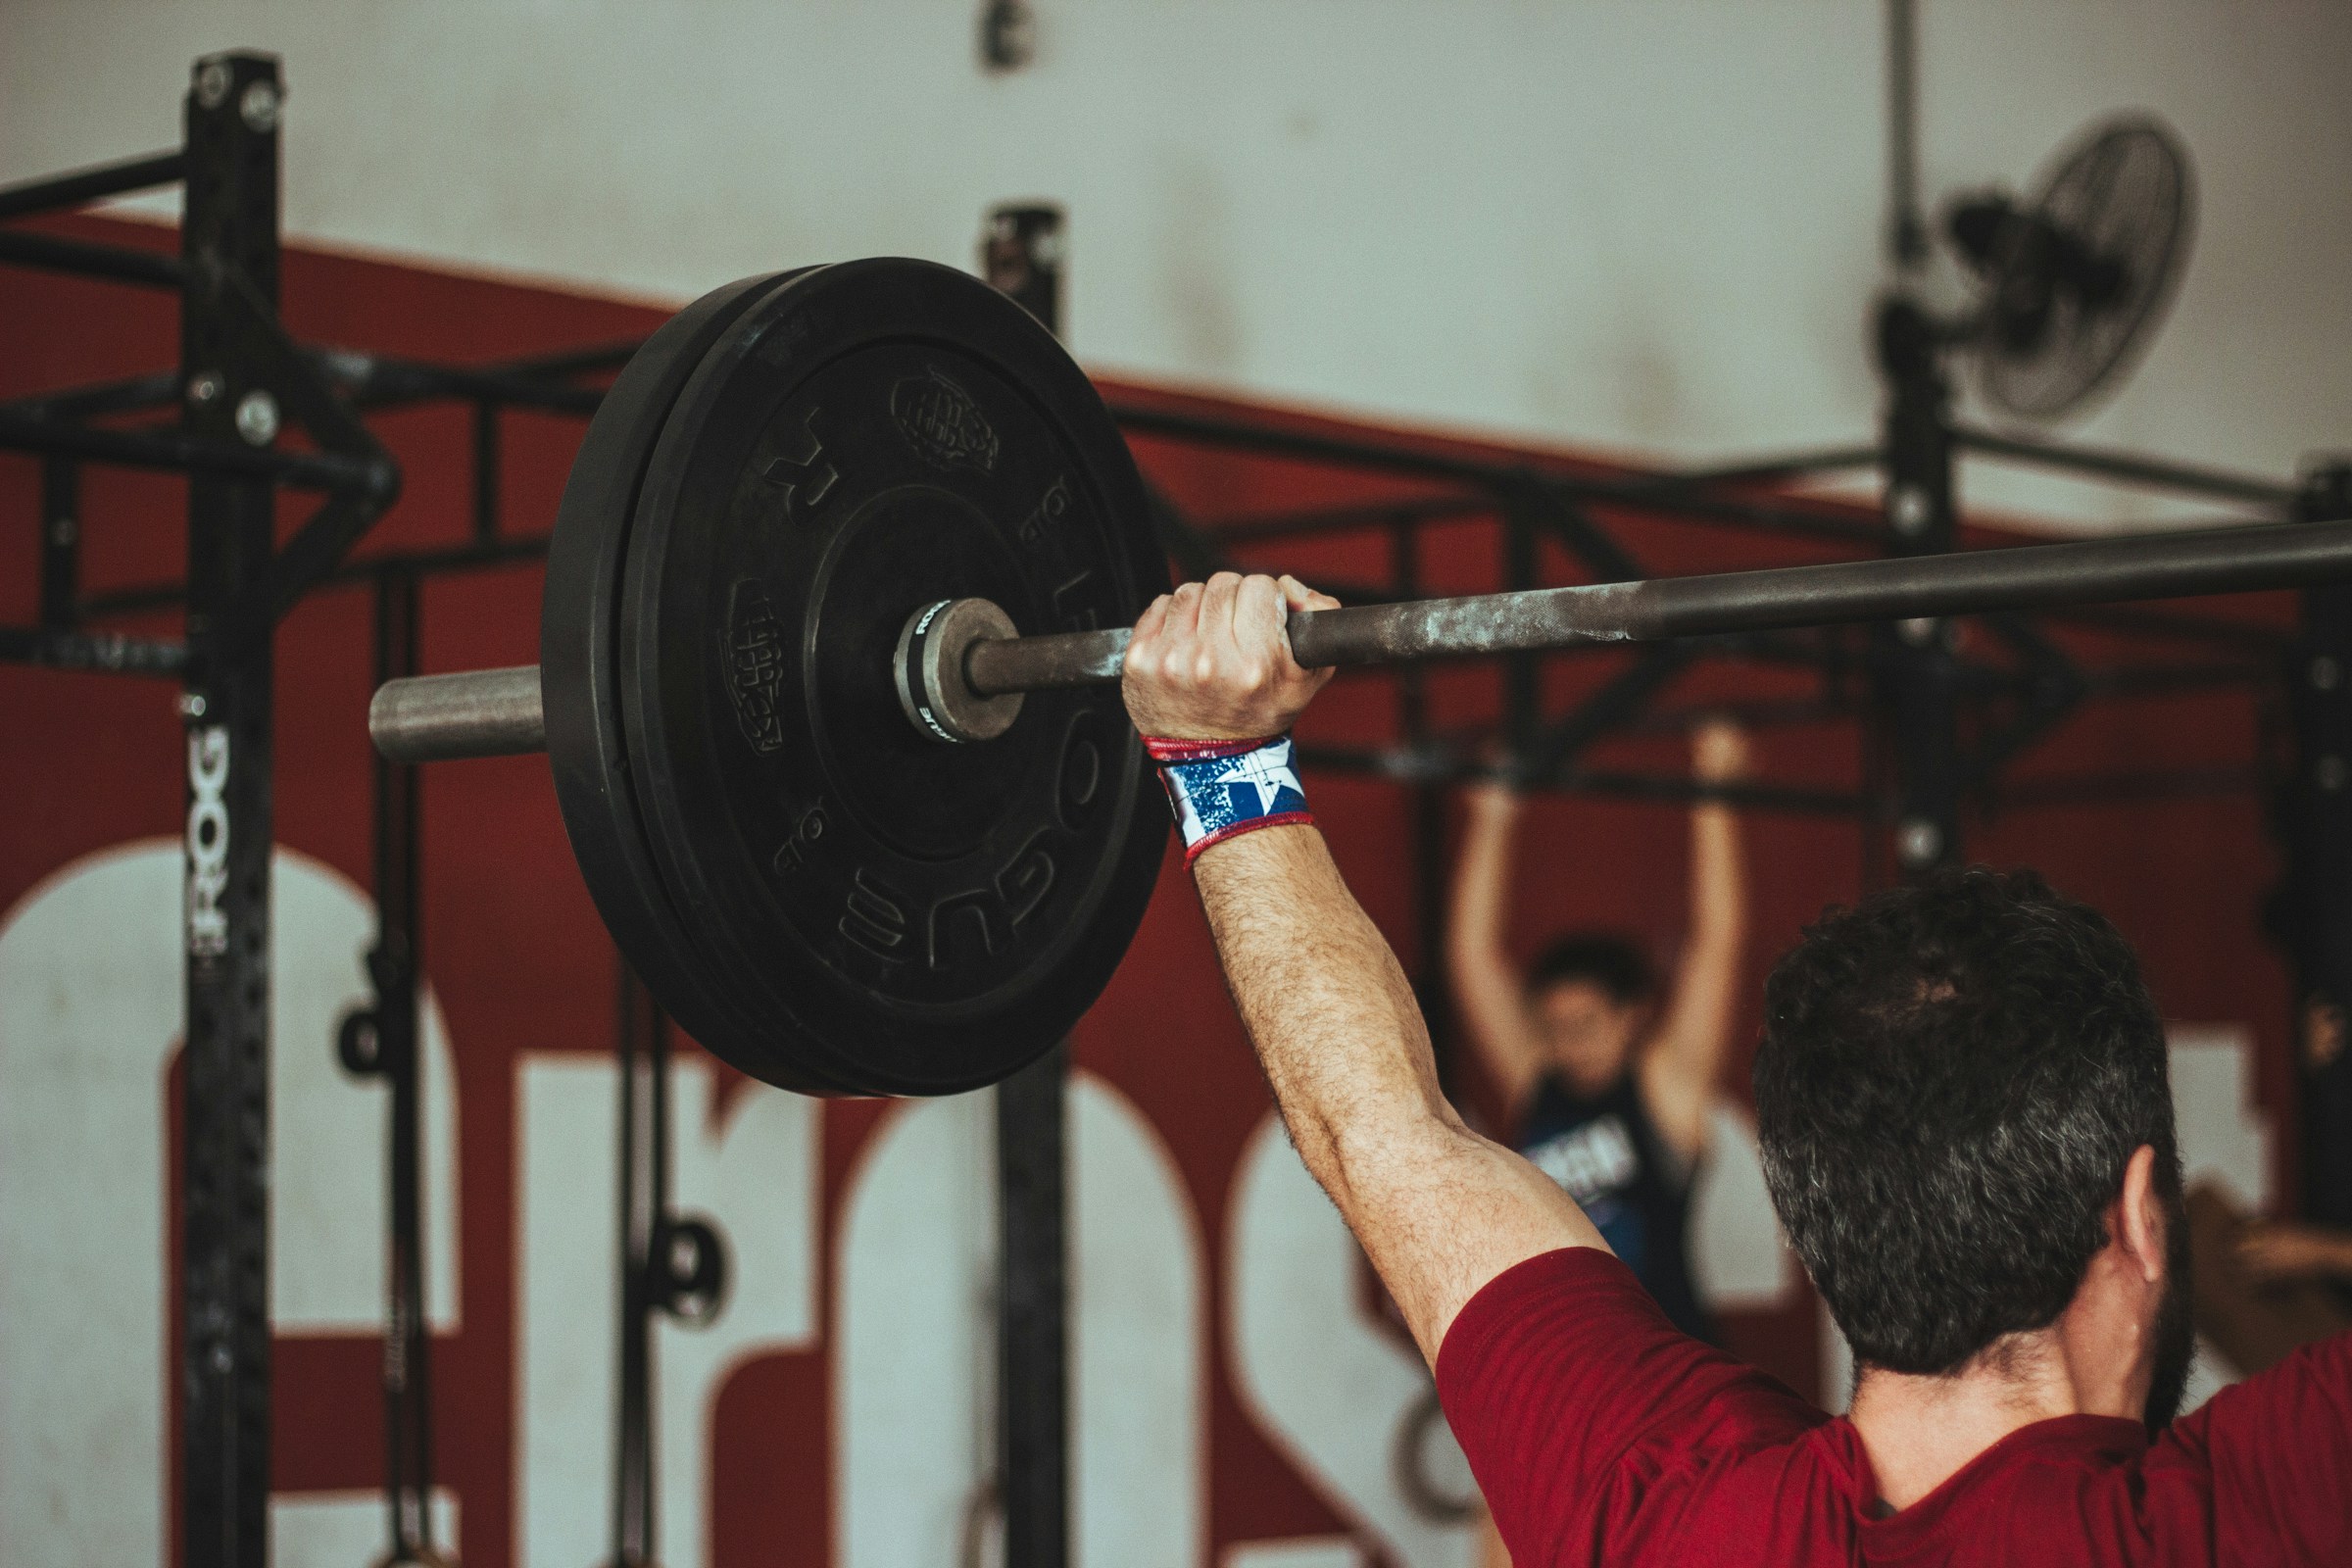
column 2139, row 1216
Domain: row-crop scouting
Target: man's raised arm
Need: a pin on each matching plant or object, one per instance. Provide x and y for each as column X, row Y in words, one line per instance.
column 1439, row 1209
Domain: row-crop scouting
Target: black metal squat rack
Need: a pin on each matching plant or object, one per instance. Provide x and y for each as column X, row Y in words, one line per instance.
column 240, row 379
column 1943, row 725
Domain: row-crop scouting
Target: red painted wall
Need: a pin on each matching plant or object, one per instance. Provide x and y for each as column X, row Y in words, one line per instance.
column 522, row 964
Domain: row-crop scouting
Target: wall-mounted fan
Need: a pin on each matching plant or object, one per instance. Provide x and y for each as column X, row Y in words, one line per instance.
column 2072, row 282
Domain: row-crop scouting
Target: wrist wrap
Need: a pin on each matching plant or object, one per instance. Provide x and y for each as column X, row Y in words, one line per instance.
column 1223, row 788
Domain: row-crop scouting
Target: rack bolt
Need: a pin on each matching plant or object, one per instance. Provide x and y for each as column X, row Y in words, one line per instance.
column 257, row 419
column 1907, row 508
column 1918, row 842
column 258, row 106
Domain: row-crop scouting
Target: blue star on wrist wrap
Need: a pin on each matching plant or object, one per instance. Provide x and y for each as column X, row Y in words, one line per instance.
column 1222, row 789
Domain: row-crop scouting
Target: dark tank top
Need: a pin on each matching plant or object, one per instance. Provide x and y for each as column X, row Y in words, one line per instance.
column 1607, row 1154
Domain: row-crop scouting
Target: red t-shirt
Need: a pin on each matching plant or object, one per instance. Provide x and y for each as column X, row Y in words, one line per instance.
column 1599, row 1434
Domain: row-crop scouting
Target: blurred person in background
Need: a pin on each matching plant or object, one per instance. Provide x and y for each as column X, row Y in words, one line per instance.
column 1609, row 1093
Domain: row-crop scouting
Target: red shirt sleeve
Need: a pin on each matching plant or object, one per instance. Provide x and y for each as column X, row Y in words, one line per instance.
column 2267, row 1460
column 1584, row 1414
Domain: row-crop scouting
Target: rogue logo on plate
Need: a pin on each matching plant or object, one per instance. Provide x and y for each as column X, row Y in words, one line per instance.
column 755, row 658
column 943, row 422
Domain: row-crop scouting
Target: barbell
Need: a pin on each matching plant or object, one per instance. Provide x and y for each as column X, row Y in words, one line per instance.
column 834, row 611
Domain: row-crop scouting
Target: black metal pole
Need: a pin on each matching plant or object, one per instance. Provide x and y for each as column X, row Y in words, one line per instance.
column 112, row 653
column 1916, row 670
column 1400, row 767
column 1690, row 504
column 392, row 969
column 1022, row 252
column 60, row 544
column 486, row 471
column 186, row 451
column 669, row 1264
column 639, row 1028
column 82, row 186
column 2130, row 468
column 231, row 220
column 117, row 263
column 2314, row 822
column 1907, row 230
column 1033, row 1331
column 136, row 394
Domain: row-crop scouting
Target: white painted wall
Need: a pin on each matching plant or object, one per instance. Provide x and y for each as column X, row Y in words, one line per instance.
column 90, row 1010
column 914, row 1349
column 1642, row 226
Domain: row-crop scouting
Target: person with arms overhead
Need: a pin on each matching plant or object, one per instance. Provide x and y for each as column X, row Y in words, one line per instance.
column 1610, row 1096
column 1967, row 1127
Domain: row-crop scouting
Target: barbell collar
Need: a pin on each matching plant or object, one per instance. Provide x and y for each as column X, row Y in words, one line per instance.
column 439, row 718
column 1777, row 598
column 928, row 672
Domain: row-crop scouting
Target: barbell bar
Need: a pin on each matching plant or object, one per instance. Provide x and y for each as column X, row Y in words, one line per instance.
column 476, row 712
column 797, row 546
column 497, row 712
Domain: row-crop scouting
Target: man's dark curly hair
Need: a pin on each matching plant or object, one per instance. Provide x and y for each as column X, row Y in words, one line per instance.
column 1952, row 1078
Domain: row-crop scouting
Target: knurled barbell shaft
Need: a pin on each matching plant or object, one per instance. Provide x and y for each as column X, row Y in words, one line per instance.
column 494, row 713
column 1777, row 598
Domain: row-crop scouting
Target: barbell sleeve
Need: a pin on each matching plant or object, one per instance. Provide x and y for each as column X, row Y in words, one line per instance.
column 495, row 712
column 438, row 719
column 1776, row 599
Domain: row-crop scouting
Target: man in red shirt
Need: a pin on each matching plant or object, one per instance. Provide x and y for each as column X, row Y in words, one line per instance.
column 1963, row 1107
